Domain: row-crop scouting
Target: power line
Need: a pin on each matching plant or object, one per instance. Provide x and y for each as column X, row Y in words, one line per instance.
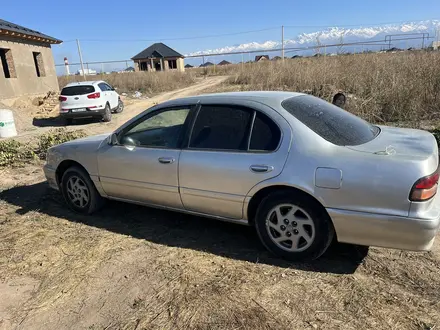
column 183, row 38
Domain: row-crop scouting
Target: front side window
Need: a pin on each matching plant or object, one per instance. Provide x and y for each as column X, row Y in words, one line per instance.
column 163, row 130
column 221, row 128
column 329, row 121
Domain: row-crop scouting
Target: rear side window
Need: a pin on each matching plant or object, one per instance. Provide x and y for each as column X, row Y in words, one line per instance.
column 265, row 134
column 221, row 128
column 103, row 87
column 78, row 90
column 330, row 122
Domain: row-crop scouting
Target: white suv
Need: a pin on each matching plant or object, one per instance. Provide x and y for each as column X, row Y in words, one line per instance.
column 89, row 99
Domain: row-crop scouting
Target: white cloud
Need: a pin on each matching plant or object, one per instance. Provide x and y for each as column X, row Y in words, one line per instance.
column 328, row 35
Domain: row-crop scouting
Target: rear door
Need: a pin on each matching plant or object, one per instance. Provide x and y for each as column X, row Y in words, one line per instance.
column 75, row 97
column 112, row 96
column 232, row 148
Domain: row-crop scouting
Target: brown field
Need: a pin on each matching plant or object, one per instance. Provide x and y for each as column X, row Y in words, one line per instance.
column 132, row 267
column 381, row 88
column 145, row 82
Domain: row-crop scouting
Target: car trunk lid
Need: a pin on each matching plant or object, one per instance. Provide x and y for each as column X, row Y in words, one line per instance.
column 74, row 97
column 408, row 144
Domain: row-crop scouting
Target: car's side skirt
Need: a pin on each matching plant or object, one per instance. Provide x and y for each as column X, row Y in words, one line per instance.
column 237, row 221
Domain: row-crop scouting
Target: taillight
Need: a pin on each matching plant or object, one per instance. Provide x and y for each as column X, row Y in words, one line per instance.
column 96, row 95
column 62, row 98
column 424, row 188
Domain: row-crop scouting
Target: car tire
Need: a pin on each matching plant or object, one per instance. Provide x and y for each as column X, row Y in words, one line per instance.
column 120, row 107
column 294, row 226
column 79, row 191
column 107, row 114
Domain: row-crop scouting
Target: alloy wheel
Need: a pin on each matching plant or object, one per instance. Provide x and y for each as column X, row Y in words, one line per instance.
column 290, row 227
column 78, row 192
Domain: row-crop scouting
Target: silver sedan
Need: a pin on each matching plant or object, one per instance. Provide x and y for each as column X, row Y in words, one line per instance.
column 300, row 170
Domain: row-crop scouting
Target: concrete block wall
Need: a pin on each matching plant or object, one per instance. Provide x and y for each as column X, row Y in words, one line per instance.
column 24, row 79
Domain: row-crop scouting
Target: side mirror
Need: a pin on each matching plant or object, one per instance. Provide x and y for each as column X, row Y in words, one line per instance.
column 113, row 140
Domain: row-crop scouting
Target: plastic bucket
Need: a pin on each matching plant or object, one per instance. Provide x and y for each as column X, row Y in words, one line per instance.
column 7, row 124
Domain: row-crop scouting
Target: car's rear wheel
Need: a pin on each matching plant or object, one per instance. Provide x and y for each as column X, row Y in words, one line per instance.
column 107, row 113
column 79, row 191
column 293, row 226
column 120, row 107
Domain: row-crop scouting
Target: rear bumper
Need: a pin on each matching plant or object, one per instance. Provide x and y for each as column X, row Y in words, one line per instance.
column 385, row 230
column 51, row 177
column 89, row 113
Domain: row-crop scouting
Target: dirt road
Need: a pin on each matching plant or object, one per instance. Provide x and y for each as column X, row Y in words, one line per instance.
column 32, row 127
column 132, row 267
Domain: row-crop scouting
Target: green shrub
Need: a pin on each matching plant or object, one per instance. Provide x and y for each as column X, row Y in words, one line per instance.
column 12, row 152
column 55, row 137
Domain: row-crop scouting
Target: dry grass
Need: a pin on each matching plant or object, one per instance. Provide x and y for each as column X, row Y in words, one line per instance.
column 149, row 83
column 381, row 87
column 130, row 267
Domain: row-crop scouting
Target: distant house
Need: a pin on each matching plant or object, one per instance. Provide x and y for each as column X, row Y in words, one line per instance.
column 276, row 58
column 158, row 57
column 224, row 63
column 188, row 66
column 260, row 58
column 26, row 61
column 393, row 50
column 435, row 45
column 203, row 65
column 89, row 72
column 129, row 69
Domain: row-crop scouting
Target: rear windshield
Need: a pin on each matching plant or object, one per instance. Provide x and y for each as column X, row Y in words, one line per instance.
column 330, row 122
column 77, row 90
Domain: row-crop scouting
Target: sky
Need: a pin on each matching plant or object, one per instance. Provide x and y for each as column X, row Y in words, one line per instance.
column 117, row 30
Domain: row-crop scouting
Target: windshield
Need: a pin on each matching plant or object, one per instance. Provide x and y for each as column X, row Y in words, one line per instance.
column 77, row 90
column 330, row 122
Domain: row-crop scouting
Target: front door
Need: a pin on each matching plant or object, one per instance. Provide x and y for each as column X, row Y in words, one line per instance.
column 143, row 167
column 231, row 149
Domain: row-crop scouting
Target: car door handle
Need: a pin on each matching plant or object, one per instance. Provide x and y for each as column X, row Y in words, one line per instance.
column 166, row 160
column 261, row 168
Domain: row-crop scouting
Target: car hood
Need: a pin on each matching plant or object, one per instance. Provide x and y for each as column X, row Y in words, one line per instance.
column 90, row 140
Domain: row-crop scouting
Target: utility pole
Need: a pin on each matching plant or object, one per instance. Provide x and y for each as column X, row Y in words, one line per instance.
column 81, row 59
column 282, row 42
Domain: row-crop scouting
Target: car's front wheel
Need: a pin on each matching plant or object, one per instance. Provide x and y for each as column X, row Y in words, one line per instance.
column 79, row 191
column 293, row 226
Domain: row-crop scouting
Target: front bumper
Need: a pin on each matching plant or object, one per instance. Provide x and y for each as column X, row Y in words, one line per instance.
column 51, row 177
column 386, row 230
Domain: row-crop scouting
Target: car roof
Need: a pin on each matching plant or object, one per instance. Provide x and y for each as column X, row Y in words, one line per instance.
column 84, row 83
column 267, row 97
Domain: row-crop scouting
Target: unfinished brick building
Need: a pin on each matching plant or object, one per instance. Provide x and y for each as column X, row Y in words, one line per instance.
column 158, row 57
column 26, row 61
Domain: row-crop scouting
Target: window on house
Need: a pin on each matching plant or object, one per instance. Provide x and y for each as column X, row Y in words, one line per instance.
column 172, row 64
column 143, row 66
column 39, row 66
column 7, row 63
